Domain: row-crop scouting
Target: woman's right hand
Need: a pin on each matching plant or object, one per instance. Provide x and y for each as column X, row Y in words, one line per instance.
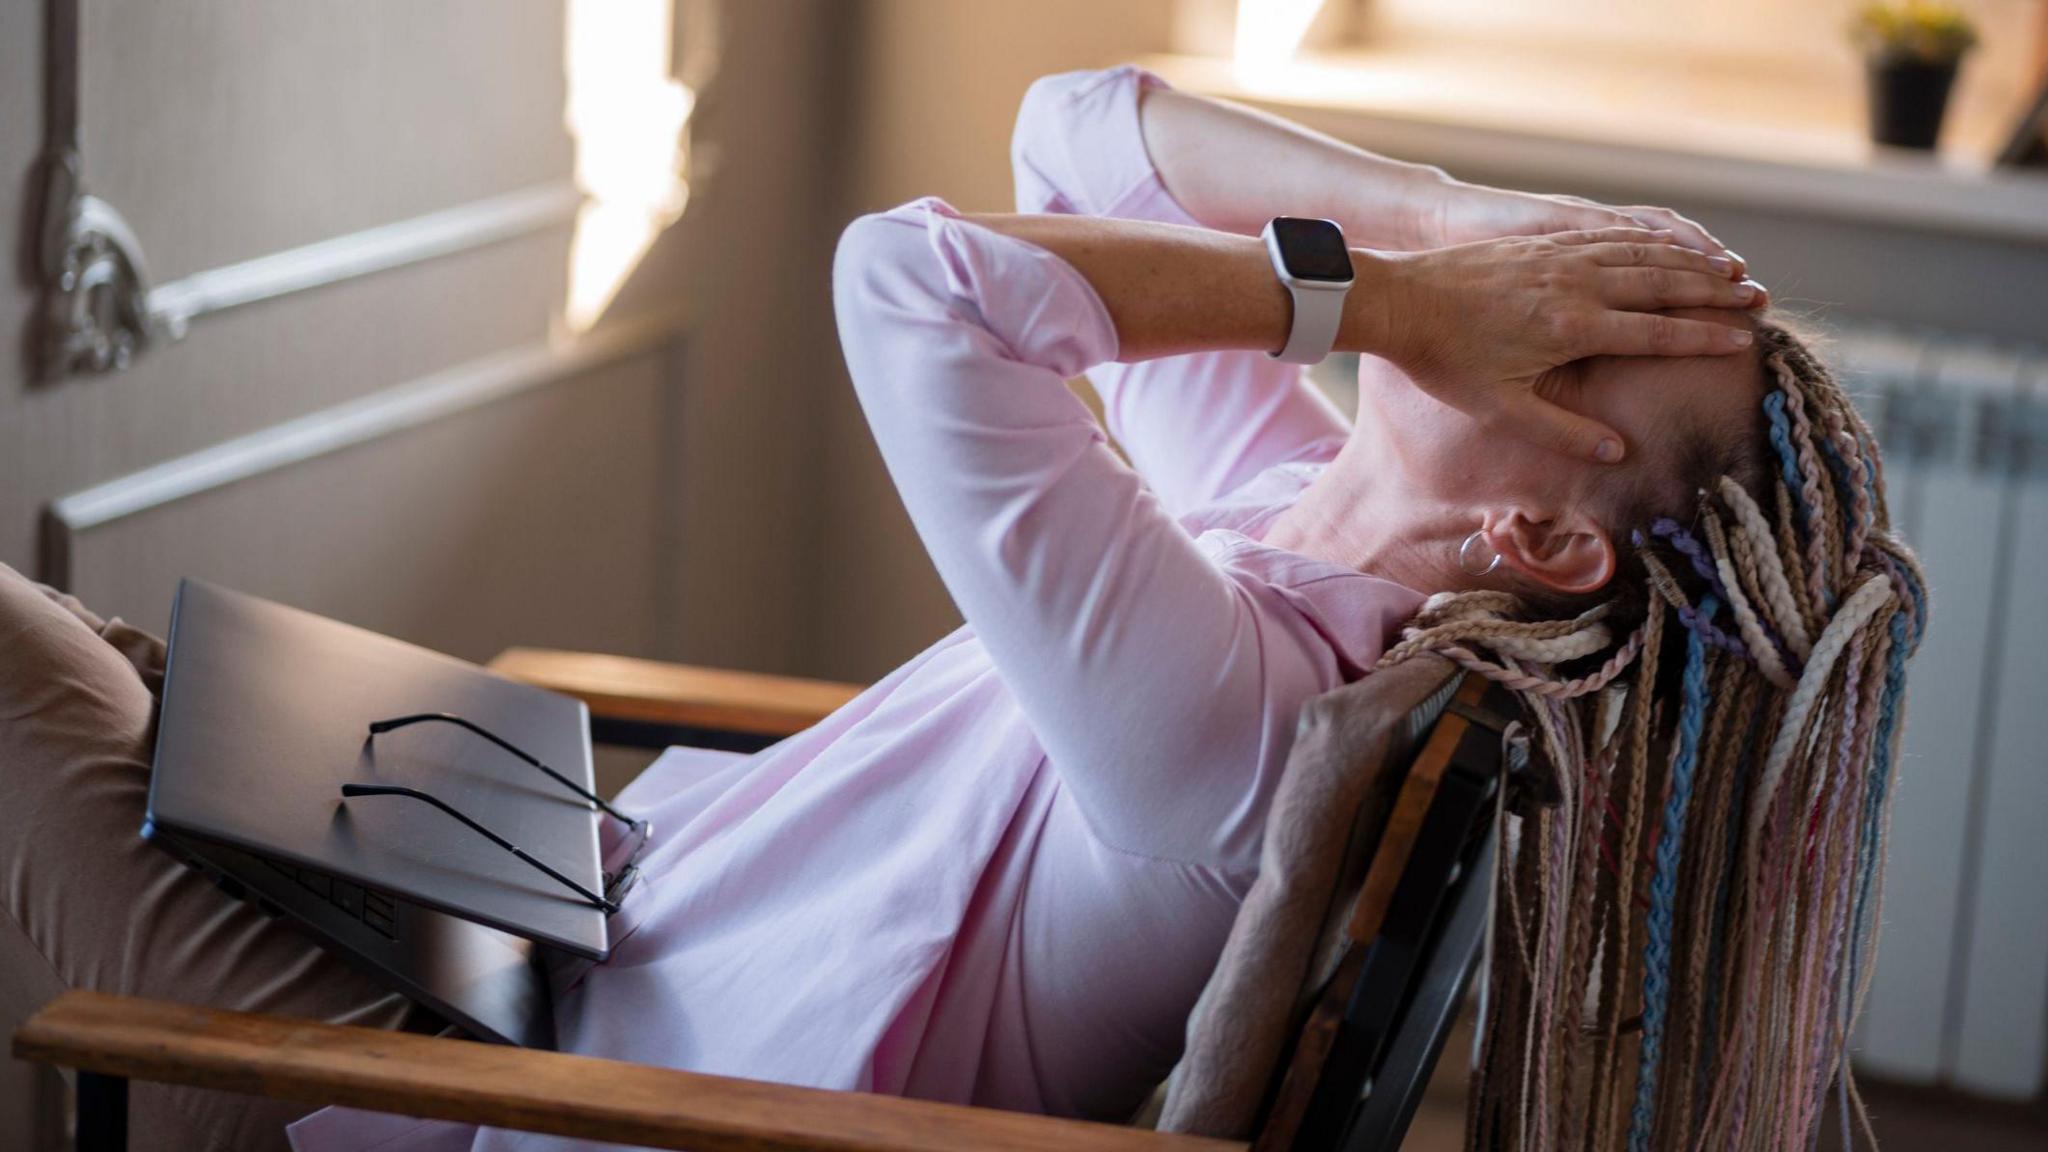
column 1480, row 325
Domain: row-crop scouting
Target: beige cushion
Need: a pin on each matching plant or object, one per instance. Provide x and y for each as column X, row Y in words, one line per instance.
column 90, row 904
column 1327, row 816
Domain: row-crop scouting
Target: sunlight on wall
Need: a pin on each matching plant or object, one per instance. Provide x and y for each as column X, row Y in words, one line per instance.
column 1268, row 33
column 626, row 113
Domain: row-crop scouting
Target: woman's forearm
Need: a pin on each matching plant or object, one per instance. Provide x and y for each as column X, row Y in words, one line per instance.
column 1171, row 290
column 1233, row 168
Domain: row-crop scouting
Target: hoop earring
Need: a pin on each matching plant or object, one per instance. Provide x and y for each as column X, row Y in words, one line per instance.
column 1466, row 557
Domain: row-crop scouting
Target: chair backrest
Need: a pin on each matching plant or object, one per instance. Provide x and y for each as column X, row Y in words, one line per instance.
column 1349, row 960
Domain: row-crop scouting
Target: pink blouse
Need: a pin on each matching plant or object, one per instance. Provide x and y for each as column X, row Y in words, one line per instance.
column 1003, row 873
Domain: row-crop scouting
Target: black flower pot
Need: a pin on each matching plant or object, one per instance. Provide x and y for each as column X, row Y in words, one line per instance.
column 1907, row 99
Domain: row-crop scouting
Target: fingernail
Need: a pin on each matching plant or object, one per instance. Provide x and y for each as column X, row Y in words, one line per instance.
column 1742, row 338
column 1608, row 451
column 1745, row 293
column 1721, row 264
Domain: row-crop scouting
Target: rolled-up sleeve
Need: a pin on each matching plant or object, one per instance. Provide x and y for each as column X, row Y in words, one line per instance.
column 1162, row 686
column 1198, row 426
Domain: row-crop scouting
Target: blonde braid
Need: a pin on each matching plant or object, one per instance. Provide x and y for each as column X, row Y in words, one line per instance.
column 1787, row 533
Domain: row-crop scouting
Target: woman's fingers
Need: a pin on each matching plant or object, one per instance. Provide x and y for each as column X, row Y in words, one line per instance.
column 1637, row 254
column 1620, row 234
column 1649, row 334
column 1559, row 429
column 1657, row 248
column 1649, row 289
column 1688, row 232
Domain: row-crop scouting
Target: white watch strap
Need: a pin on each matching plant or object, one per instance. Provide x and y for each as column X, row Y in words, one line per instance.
column 1318, row 311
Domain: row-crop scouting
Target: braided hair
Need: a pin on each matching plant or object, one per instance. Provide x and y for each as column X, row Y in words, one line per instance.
column 1683, row 938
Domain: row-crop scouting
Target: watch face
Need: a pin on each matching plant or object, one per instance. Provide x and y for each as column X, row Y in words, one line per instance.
column 1312, row 249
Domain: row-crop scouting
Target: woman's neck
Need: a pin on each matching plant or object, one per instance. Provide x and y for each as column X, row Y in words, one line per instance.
column 1360, row 514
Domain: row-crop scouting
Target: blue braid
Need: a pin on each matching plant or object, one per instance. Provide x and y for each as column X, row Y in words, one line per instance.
column 1839, row 469
column 1919, row 596
column 1664, row 880
column 1781, row 439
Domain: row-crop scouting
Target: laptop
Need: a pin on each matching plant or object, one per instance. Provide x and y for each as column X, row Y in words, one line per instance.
column 464, row 862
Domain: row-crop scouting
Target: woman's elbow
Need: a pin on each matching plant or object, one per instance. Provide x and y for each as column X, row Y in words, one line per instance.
column 879, row 269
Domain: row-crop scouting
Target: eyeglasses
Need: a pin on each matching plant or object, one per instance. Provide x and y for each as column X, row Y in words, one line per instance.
column 616, row 885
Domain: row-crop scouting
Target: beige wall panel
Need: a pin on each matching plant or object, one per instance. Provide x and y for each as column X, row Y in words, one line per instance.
column 21, row 112
column 533, row 520
column 228, row 129
column 751, row 262
column 936, row 88
column 252, row 367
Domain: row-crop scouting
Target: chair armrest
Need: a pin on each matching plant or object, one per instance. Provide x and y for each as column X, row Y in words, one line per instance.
column 678, row 695
column 550, row 1092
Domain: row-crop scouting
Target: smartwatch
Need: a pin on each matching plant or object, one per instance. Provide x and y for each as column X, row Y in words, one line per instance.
column 1311, row 259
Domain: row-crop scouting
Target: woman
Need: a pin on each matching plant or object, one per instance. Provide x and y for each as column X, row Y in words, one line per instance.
column 1003, row 873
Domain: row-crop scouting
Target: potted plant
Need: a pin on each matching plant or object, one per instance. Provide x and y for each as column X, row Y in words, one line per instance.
column 1912, row 50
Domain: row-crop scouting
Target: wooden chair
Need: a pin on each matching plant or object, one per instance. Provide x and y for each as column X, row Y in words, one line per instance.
column 1406, row 922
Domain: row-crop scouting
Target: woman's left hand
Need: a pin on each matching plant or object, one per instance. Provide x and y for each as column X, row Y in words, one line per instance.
column 1461, row 212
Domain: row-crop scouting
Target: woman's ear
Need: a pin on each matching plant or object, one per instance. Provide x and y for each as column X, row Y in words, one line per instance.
column 1571, row 554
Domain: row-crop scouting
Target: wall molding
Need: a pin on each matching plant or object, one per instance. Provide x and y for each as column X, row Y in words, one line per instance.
column 175, row 304
column 99, row 309
column 425, row 400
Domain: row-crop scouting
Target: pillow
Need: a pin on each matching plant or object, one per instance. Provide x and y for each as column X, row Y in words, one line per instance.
column 1348, row 763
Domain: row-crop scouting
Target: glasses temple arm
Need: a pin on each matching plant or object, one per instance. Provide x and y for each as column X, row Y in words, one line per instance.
column 351, row 790
column 379, row 727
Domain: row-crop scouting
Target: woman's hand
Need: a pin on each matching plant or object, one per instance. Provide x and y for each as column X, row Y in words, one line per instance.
column 1480, row 325
column 1455, row 212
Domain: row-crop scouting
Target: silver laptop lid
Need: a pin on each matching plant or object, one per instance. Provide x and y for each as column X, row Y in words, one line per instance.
column 266, row 714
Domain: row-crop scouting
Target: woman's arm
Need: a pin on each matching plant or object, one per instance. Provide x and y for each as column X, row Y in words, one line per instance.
column 1234, row 168
column 1199, row 426
column 1120, row 143
column 1162, row 685
column 1455, row 319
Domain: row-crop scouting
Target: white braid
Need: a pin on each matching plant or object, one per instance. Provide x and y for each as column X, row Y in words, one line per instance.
column 1861, row 605
column 1760, row 647
column 1554, row 649
column 1764, row 546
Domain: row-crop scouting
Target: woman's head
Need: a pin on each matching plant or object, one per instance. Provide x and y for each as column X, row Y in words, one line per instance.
column 1683, row 939
column 1561, row 525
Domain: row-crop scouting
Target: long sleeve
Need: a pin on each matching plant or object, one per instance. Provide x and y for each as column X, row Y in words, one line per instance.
column 1162, row 681
column 1198, row 426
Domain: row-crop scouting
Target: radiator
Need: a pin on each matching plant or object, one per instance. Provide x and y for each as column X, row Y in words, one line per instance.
column 1960, row 992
